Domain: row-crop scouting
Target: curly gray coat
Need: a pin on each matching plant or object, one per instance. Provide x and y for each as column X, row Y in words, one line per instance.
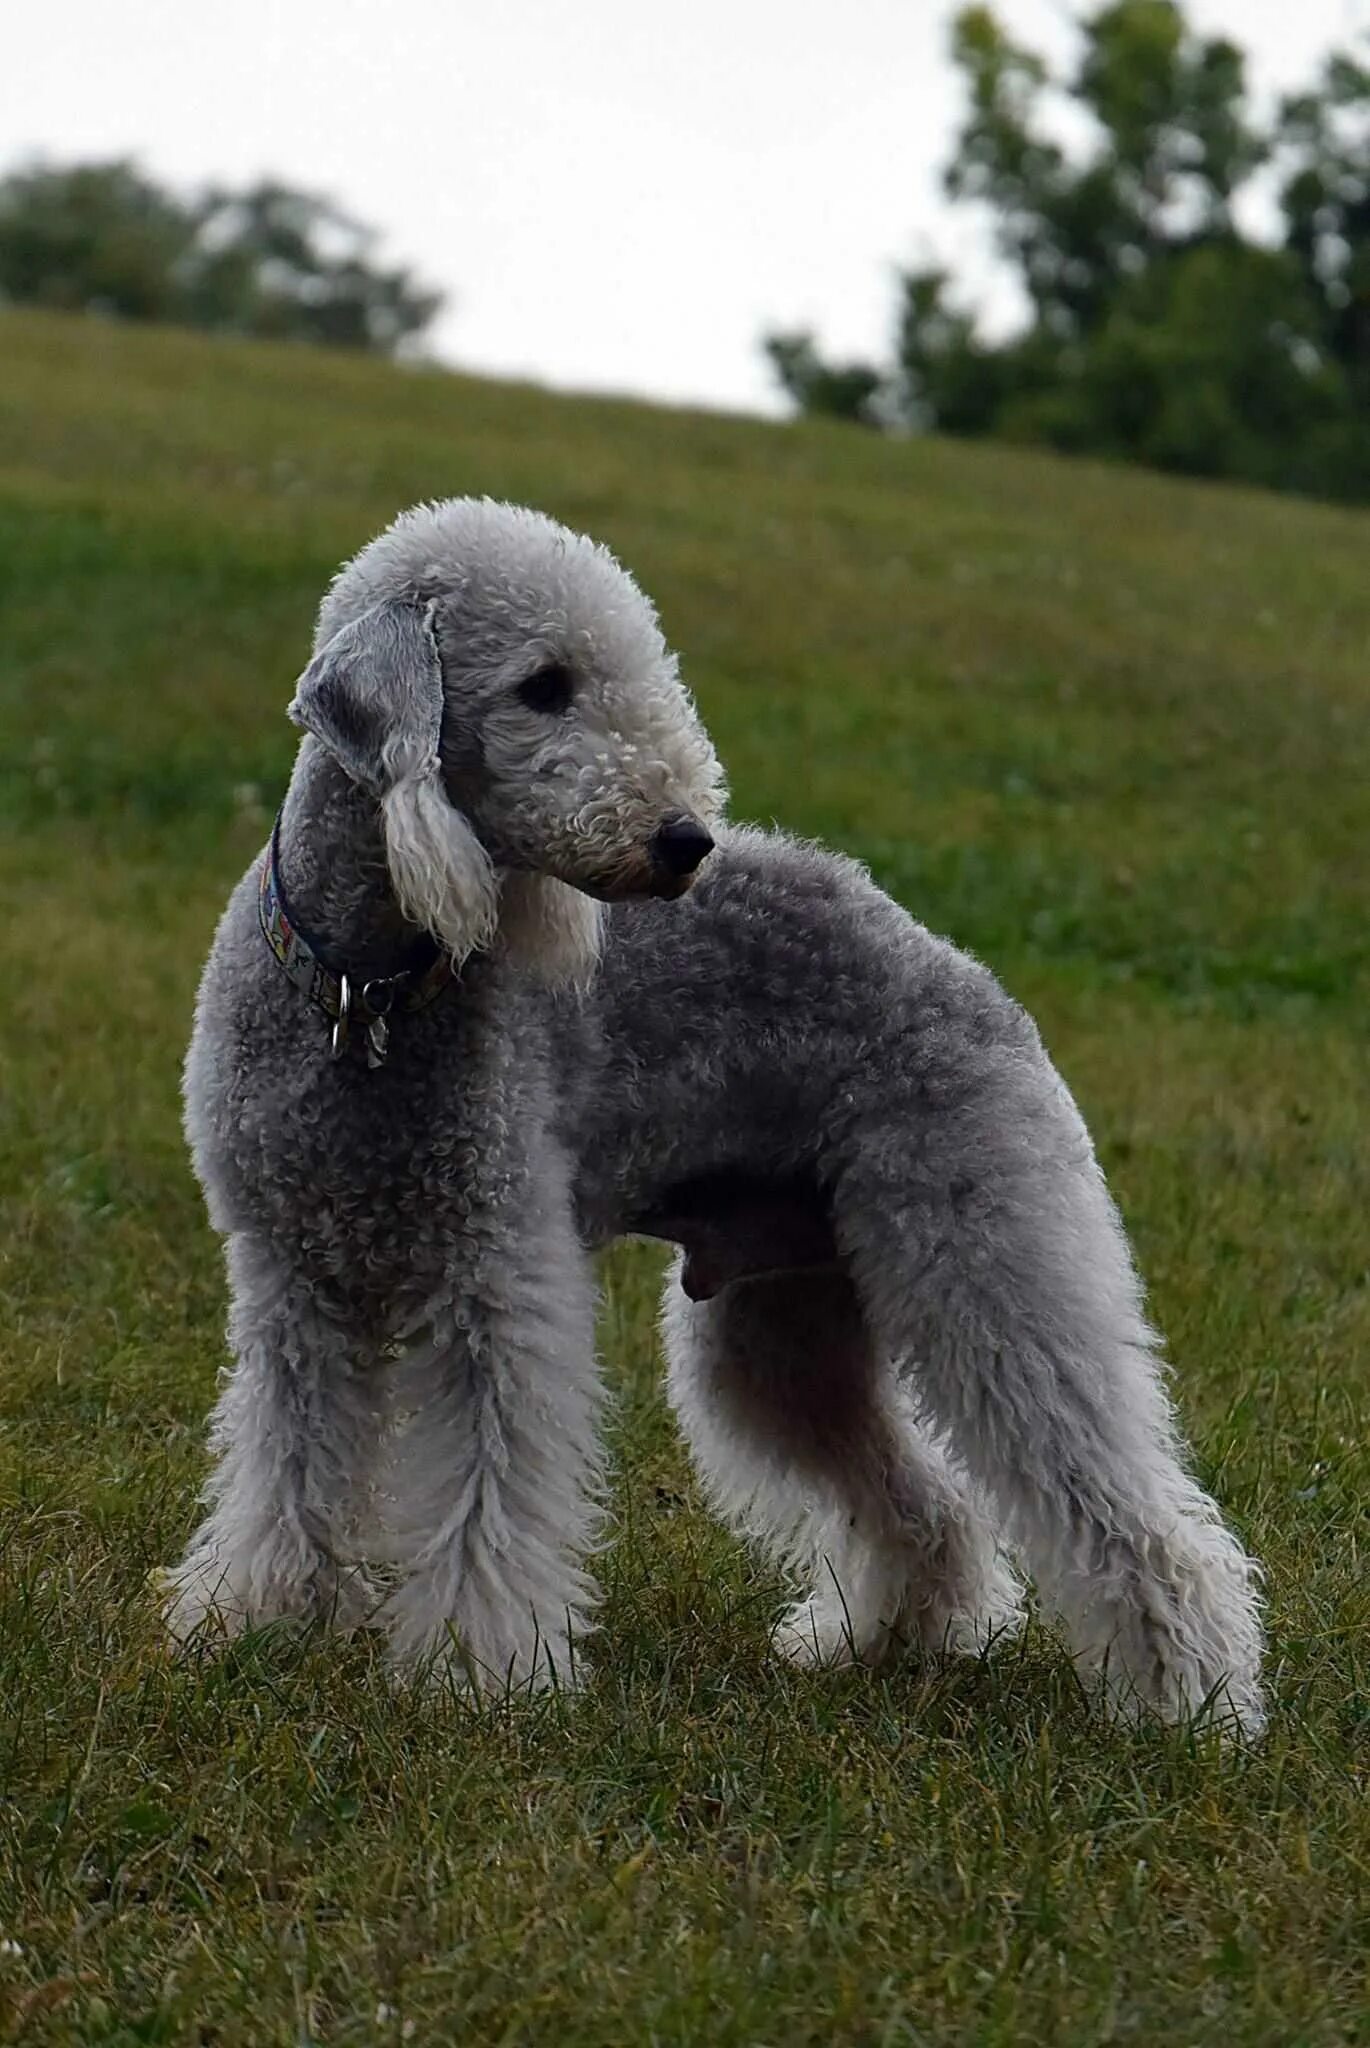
column 904, row 1332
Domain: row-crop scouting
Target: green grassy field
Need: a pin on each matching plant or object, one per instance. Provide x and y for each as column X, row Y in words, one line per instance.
column 1108, row 731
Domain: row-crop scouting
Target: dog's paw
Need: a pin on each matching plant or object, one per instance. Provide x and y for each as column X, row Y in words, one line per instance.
column 1177, row 1634
column 1179, row 1691
column 970, row 1619
column 196, row 1603
column 891, row 1613
column 820, row 1634
column 204, row 1602
column 451, row 1667
column 1147, row 1668
column 474, row 1650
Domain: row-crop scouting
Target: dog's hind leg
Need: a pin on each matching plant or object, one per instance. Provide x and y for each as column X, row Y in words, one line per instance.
column 805, row 1444
column 292, row 1436
column 990, row 1261
column 490, row 1489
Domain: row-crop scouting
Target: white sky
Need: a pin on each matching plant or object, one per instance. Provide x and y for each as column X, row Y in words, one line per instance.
column 617, row 194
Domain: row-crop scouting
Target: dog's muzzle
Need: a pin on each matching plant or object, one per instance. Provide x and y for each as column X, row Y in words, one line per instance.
column 665, row 866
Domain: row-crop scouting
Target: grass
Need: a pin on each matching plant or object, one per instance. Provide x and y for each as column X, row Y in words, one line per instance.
column 1107, row 730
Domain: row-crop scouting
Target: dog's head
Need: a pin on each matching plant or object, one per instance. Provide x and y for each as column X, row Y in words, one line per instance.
column 501, row 686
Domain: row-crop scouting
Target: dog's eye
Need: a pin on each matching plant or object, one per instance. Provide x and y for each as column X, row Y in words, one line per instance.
column 548, row 689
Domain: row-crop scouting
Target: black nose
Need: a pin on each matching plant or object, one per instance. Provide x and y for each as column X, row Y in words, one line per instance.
column 680, row 845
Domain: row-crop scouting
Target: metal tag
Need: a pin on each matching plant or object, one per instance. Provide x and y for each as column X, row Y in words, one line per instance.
column 341, row 1027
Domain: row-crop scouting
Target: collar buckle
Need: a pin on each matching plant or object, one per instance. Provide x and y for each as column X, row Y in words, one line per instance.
column 330, row 987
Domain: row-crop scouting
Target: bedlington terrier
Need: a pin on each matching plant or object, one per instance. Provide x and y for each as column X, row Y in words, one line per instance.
column 505, row 986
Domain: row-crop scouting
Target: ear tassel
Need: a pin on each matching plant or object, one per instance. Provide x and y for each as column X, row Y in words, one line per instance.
column 444, row 881
column 441, row 873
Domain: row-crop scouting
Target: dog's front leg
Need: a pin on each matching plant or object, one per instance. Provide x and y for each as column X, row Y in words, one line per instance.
column 293, row 1436
column 490, row 1489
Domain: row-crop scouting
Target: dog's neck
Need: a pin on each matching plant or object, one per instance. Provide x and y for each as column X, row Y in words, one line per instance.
column 333, row 868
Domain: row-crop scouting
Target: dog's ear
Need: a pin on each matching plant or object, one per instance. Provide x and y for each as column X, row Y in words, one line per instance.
column 373, row 696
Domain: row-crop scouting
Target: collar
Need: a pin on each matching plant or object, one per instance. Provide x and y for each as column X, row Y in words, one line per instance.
column 423, row 975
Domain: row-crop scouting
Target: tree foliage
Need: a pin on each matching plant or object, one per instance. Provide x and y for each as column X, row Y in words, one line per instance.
column 269, row 260
column 1158, row 328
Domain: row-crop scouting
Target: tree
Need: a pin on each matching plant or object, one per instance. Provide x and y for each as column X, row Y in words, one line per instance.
column 1157, row 330
column 1325, row 139
column 269, row 260
column 97, row 236
column 844, row 390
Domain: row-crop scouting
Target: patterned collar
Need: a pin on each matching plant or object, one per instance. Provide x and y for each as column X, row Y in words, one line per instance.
column 426, row 971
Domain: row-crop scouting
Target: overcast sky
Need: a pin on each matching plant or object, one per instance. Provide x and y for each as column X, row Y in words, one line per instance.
column 616, row 193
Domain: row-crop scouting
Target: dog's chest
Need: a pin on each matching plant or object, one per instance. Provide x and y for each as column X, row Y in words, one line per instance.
column 364, row 1174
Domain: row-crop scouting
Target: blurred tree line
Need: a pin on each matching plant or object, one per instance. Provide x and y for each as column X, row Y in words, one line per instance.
column 1159, row 330
column 269, row 260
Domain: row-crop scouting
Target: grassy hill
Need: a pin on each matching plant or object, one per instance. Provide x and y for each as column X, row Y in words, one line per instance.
column 1108, row 731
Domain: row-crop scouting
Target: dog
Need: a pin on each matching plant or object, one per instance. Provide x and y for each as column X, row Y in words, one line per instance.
column 504, row 986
